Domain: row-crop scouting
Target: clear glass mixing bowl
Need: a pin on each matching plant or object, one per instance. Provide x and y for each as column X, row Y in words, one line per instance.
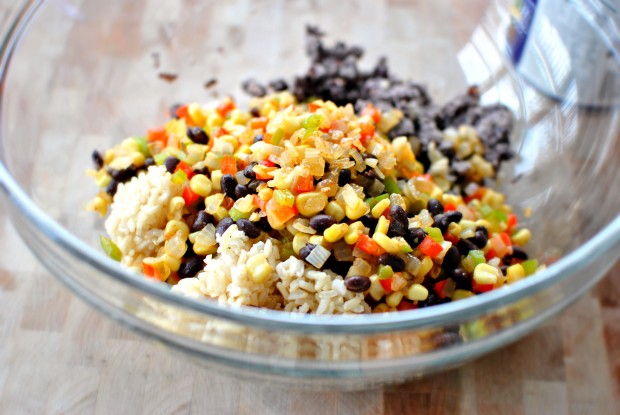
column 78, row 75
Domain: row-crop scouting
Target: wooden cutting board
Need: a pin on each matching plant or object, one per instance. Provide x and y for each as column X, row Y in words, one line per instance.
column 58, row 356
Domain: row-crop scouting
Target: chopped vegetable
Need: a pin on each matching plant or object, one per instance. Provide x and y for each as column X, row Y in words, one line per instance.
column 110, row 248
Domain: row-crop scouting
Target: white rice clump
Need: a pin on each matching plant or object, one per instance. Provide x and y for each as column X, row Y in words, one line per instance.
column 139, row 215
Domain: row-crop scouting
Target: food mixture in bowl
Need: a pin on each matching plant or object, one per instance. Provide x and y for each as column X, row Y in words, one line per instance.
column 350, row 192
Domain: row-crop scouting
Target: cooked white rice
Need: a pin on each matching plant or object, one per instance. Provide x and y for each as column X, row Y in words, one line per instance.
column 139, row 214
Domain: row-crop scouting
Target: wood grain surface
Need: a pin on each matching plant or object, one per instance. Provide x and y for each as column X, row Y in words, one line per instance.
column 58, row 356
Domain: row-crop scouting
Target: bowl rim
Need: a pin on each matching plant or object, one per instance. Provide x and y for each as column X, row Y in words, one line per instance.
column 603, row 241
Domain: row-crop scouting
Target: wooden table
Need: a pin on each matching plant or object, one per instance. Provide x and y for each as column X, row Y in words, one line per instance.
column 59, row 356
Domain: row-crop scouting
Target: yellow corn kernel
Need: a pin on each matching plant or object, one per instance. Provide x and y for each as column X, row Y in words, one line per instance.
column 353, row 233
column 514, row 273
column 171, row 262
column 138, row 158
column 417, row 292
column 521, row 237
column 299, row 241
column 485, row 274
column 453, row 199
column 232, row 140
column 394, row 299
column 201, row 185
column 196, row 114
column 266, row 194
column 425, row 266
column 376, row 290
column 485, row 223
column 454, row 229
column 203, row 249
column 174, row 226
column 220, row 213
column 99, row 205
column 335, row 232
column 102, row 178
column 175, row 208
column 380, row 207
column 493, row 198
column 335, row 210
column 216, row 180
column 214, row 120
column 311, row 203
column 383, row 225
column 461, row 294
column 382, row 308
column 387, row 243
column 316, row 239
column 258, row 268
column 357, row 210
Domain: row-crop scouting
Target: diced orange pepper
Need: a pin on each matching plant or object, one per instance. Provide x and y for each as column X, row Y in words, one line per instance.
column 303, row 184
column 229, row 165
column 312, row 107
column 157, row 134
column 386, row 283
column 186, row 168
column 258, row 123
column 151, row 272
column 366, row 244
column 451, row 238
column 183, row 114
column 481, row 288
column 225, row 106
column 430, row 247
column 448, row 207
column 505, row 239
column 512, row 221
column 367, row 132
column 372, row 112
column 189, row 196
column 268, row 163
column 263, row 173
column 406, row 305
column 280, row 212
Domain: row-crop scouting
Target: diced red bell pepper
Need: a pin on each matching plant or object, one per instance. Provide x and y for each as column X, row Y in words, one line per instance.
column 151, row 272
column 303, row 184
column 229, row 165
column 367, row 132
column 312, row 107
column 268, row 163
column 386, row 284
column 372, row 112
column 448, row 207
column 189, row 196
column 406, row 305
column 478, row 195
column 186, row 168
column 430, row 247
column 366, row 244
column 438, row 288
column 512, row 221
column 157, row 134
column 262, row 174
column 481, row 288
column 490, row 254
column 280, row 212
column 258, row 123
column 225, row 106
column 505, row 239
column 451, row 238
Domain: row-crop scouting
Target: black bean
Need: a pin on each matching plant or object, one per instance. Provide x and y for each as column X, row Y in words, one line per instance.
column 97, row 159
column 224, row 225
column 305, row 251
column 241, row 190
column 369, row 221
column 415, row 236
column 202, row 170
column 452, row 259
column 504, row 269
column 148, row 162
column 258, row 138
column 249, row 228
column 464, row 246
column 357, row 283
column 462, row 279
column 255, row 112
column 398, row 214
column 454, row 216
column 434, row 207
column 393, row 261
column 198, row 135
column 397, row 229
column 321, row 222
column 263, row 223
column 481, row 238
column 518, row 253
column 171, row 163
column 123, row 175
column 344, row 177
column 249, row 171
column 278, row 85
column 252, row 87
column 112, row 187
column 441, row 222
column 228, row 184
column 253, row 185
column 202, row 219
column 190, row 267
column 338, row 267
column 484, row 230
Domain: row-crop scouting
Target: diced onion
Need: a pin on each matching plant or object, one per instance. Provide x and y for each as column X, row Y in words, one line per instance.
column 318, row 256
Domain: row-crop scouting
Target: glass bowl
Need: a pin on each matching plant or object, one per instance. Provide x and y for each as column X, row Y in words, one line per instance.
column 86, row 74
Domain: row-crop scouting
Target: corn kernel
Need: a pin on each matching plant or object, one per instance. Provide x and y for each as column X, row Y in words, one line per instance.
column 357, row 210
column 381, row 308
column 394, row 299
column 196, row 114
column 214, row 120
column 417, row 292
column 335, row 210
column 383, row 225
column 514, row 273
column 174, row 226
column 485, row 274
column 454, row 229
column 386, row 243
column 521, row 237
column 353, row 233
column 380, row 207
column 335, row 232
column 171, row 262
column 461, row 294
column 258, row 268
column 425, row 266
column 201, row 185
column 316, row 240
column 311, row 203
column 266, row 194
column 220, row 213
column 216, row 180
column 299, row 241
